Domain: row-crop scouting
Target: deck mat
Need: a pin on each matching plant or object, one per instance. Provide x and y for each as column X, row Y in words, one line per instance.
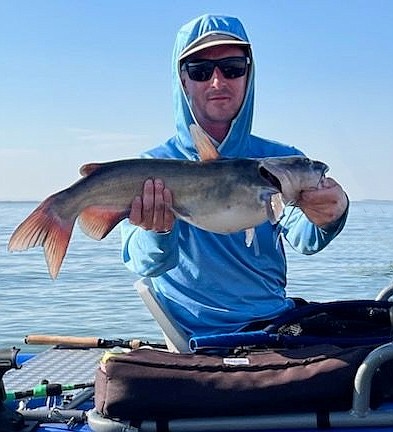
column 57, row 365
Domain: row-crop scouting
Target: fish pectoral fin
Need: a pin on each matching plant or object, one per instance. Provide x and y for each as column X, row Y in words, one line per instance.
column 44, row 227
column 275, row 208
column 98, row 221
column 250, row 234
column 206, row 149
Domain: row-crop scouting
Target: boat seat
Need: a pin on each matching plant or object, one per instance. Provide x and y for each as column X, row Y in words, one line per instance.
column 175, row 338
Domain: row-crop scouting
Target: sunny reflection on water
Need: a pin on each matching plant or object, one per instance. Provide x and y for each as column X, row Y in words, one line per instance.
column 93, row 295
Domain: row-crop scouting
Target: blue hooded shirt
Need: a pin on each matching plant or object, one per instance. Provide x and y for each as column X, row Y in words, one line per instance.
column 213, row 283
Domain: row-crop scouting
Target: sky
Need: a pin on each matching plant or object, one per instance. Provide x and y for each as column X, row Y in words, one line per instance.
column 90, row 80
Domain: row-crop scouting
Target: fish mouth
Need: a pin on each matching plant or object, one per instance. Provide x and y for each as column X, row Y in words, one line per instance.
column 270, row 178
column 289, row 175
column 322, row 167
column 277, row 169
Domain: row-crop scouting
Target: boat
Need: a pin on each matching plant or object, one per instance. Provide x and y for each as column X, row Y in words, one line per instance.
column 54, row 390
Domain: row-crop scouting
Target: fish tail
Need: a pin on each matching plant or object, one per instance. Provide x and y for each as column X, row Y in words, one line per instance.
column 44, row 227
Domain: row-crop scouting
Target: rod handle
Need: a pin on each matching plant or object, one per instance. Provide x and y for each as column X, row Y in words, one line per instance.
column 86, row 342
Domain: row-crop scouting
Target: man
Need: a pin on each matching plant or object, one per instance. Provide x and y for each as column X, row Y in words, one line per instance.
column 212, row 283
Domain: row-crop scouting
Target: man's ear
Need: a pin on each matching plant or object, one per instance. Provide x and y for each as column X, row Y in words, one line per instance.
column 183, row 82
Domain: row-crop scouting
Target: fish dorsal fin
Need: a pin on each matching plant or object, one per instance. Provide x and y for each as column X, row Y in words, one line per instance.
column 87, row 169
column 206, row 149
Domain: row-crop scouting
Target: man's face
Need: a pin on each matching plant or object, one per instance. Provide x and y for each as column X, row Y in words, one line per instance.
column 216, row 101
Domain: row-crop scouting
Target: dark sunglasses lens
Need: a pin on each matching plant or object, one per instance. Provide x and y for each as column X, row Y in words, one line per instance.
column 231, row 67
column 201, row 71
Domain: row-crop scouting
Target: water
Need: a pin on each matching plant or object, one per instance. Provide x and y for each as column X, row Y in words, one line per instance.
column 93, row 295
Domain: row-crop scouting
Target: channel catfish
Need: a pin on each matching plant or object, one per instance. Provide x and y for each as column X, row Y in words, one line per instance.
column 218, row 195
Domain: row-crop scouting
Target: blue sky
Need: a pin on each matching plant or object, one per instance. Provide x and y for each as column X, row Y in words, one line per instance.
column 84, row 80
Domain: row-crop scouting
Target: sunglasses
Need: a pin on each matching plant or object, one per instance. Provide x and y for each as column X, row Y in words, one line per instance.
column 230, row 67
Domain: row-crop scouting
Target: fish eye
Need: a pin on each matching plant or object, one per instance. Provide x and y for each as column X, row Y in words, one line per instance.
column 308, row 162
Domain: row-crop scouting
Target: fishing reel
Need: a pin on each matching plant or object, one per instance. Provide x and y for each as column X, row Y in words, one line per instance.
column 9, row 420
column 7, row 362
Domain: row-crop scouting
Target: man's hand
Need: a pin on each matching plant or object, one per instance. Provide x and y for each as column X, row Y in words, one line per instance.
column 324, row 205
column 152, row 210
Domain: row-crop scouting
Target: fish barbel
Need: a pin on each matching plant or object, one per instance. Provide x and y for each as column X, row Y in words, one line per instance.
column 219, row 195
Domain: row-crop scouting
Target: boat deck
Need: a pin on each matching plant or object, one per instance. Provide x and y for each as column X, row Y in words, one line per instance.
column 57, row 365
column 78, row 366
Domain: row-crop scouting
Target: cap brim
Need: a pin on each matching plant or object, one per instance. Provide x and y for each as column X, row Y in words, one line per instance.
column 199, row 47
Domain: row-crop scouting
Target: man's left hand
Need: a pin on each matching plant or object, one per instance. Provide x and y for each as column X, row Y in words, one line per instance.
column 325, row 204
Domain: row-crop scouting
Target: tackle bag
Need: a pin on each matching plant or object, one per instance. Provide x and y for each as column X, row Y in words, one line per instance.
column 342, row 323
column 159, row 385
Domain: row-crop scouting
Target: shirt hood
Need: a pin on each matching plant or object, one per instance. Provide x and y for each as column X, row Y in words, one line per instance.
column 235, row 143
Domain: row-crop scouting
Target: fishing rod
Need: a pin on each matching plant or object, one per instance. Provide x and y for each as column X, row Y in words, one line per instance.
column 45, row 390
column 88, row 342
column 276, row 340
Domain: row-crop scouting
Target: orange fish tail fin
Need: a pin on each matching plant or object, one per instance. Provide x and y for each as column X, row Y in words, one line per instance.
column 44, row 227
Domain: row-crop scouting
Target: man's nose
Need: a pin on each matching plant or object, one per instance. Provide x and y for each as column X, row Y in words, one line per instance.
column 217, row 77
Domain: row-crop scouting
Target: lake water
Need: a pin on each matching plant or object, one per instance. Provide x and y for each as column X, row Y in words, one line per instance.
column 94, row 296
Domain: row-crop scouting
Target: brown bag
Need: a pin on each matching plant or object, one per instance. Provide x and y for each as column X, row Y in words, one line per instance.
column 153, row 384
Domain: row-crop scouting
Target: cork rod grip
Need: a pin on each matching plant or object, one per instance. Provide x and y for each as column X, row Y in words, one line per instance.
column 86, row 342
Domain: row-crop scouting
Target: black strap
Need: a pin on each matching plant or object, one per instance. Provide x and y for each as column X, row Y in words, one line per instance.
column 323, row 420
column 162, row 425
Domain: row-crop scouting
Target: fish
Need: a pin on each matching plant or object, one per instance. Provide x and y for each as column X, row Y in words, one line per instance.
column 217, row 195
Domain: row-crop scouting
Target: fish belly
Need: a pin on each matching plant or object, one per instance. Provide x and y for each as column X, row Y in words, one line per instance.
column 228, row 215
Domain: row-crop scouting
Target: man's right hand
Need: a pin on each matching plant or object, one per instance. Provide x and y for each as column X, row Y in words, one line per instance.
column 152, row 210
